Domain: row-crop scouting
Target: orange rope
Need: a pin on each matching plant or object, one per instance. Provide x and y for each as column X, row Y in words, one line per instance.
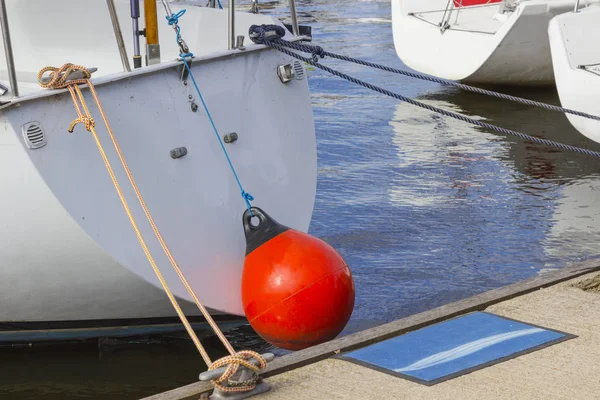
column 233, row 362
column 59, row 79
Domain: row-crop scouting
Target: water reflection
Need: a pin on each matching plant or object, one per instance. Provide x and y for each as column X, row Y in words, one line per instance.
column 564, row 183
column 437, row 156
column 533, row 160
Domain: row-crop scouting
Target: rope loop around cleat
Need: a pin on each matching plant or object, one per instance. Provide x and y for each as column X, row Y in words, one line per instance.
column 233, row 363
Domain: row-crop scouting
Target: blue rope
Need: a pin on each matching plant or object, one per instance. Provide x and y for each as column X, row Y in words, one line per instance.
column 219, row 3
column 173, row 21
column 245, row 195
column 258, row 35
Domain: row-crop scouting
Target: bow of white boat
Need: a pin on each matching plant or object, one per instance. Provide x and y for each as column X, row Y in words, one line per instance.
column 485, row 41
column 68, row 250
column 576, row 61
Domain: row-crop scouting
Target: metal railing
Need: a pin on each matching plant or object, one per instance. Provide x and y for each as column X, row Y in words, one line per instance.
column 118, row 35
column 232, row 40
column 10, row 60
column 294, row 17
column 231, row 26
column 576, row 9
column 451, row 6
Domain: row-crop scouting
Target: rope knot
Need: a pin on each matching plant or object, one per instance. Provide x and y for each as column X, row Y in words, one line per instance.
column 174, row 18
column 87, row 121
column 59, row 78
column 248, row 198
column 70, row 76
column 186, row 55
column 233, row 363
column 317, row 53
column 260, row 34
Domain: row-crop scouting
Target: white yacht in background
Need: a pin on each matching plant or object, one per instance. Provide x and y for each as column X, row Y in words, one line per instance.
column 574, row 40
column 71, row 266
column 496, row 42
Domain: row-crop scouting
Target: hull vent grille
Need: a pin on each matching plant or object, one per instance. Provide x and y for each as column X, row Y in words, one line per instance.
column 34, row 135
column 298, row 70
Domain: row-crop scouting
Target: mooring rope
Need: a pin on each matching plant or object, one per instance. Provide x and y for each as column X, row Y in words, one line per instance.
column 270, row 35
column 59, row 79
column 318, row 52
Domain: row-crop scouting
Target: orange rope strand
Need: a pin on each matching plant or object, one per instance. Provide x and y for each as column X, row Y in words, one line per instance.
column 59, row 79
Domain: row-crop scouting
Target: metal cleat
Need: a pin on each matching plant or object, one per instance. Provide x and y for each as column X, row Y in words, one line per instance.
column 243, row 375
column 77, row 74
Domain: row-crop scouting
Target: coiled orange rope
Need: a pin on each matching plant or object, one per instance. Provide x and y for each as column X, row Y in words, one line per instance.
column 59, row 79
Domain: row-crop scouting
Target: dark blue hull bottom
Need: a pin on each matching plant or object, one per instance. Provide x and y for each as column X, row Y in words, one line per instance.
column 25, row 332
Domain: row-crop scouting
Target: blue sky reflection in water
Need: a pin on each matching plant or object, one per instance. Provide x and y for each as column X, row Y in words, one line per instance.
column 425, row 209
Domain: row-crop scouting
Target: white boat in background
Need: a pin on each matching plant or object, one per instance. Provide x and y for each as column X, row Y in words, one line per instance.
column 71, row 264
column 574, row 39
column 496, row 42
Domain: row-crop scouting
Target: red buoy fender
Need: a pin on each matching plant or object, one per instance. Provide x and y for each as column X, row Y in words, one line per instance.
column 297, row 291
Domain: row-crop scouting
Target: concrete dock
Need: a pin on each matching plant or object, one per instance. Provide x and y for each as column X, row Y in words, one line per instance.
column 566, row 300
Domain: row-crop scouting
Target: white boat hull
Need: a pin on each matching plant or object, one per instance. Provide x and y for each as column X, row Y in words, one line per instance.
column 480, row 47
column 574, row 43
column 68, row 251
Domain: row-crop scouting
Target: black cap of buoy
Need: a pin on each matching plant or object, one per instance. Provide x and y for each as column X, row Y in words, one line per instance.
column 257, row 235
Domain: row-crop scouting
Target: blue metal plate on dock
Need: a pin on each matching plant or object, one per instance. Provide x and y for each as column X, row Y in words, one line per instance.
column 455, row 347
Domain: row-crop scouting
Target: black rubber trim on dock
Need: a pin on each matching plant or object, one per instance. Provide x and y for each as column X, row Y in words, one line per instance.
column 379, row 333
column 566, row 336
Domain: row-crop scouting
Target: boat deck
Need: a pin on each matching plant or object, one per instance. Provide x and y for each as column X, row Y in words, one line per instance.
column 477, row 19
column 565, row 370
